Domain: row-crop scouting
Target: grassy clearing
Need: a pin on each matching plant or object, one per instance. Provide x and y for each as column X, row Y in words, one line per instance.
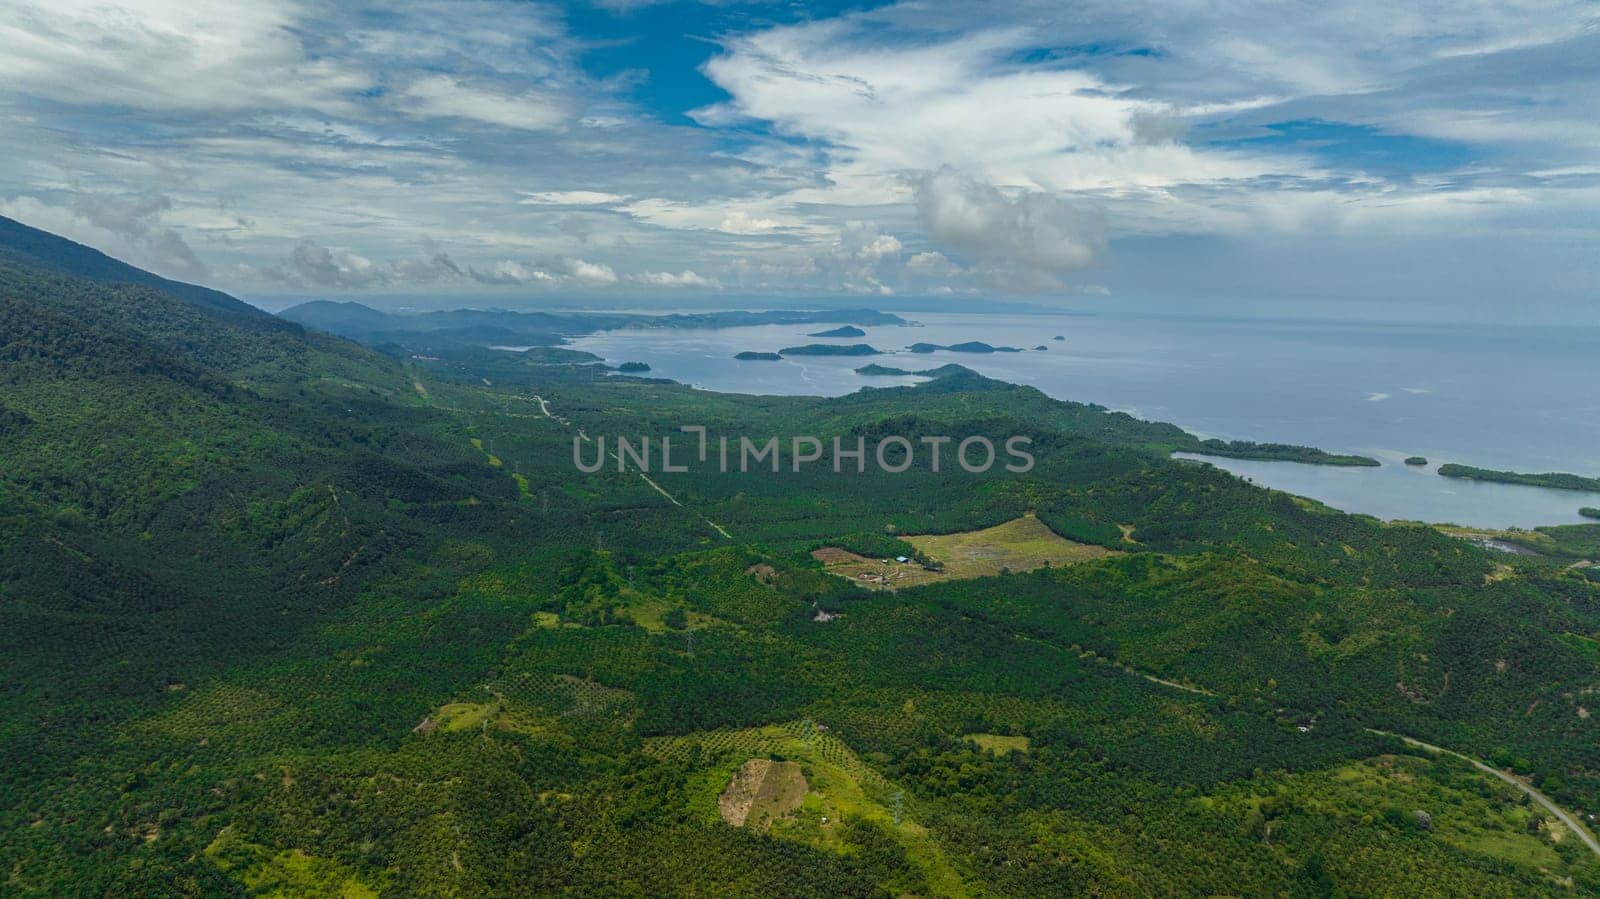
column 998, row 743
column 1021, row 544
column 287, row 873
column 838, row 786
column 458, row 716
column 1469, row 810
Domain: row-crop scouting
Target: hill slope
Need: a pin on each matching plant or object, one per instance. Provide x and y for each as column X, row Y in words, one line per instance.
column 31, row 246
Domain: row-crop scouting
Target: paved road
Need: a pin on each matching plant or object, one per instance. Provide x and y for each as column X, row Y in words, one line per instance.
column 1572, row 823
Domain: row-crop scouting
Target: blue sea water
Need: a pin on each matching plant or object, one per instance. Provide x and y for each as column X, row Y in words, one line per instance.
column 1524, row 398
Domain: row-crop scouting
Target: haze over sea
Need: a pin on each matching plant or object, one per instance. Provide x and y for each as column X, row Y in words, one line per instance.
column 1521, row 398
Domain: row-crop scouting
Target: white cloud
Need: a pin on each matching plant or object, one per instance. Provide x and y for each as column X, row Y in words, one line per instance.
column 1045, row 232
column 168, row 55
column 739, row 221
column 442, row 96
column 129, row 227
column 317, row 266
column 591, row 274
column 510, row 272
column 932, row 262
column 913, row 147
column 880, row 246
column 571, row 198
column 685, row 278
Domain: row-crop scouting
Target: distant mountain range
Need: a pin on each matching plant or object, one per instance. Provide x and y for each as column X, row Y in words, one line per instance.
column 504, row 326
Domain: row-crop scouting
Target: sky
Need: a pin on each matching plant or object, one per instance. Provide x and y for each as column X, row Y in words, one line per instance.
column 1270, row 156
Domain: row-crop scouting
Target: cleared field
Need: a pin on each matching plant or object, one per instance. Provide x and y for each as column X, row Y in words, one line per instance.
column 761, row 792
column 999, row 744
column 1021, row 544
column 832, row 783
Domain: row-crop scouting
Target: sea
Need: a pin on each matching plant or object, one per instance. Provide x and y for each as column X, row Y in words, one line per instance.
column 1520, row 398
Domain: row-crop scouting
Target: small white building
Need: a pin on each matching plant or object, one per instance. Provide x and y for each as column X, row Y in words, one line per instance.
column 901, row 559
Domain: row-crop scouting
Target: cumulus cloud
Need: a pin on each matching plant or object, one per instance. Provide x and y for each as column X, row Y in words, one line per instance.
column 1040, row 231
column 591, row 274
column 741, row 222
column 685, row 278
column 315, row 265
column 992, row 146
column 508, row 272
column 931, row 262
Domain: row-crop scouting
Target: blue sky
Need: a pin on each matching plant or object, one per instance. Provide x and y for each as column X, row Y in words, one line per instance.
column 1261, row 154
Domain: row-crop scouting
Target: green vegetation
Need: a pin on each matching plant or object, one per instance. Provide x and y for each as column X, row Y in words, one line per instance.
column 1555, row 481
column 629, row 368
column 874, row 369
column 1021, row 544
column 971, row 346
column 843, row 331
column 1416, row 460
column 752, row 356
column 1589, row 512
column 277, row 623
column 1278, row 452
column 830, row 349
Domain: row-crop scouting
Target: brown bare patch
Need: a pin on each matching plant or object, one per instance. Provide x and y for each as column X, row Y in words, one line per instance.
column 761, row 792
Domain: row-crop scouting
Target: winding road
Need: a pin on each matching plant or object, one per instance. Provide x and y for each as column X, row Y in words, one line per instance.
column 1572, row 823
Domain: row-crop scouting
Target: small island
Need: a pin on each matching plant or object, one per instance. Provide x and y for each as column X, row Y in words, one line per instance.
column 1553, row 480
column 830, row 349
column 1589, row 512
column 875, row 369
column 1040, row 348
column 845, row 331
column 1416, row 460
column 553, row 355
column 883, row 371
column 1058, row 337
column 971, row 346
column 633, row 367
column 749, row 356
column 1277, row 452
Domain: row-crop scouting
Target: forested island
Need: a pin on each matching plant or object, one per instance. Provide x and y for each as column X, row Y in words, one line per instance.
column 633, row 368
column 1554, row 480
column 1416, row 460
column 1277, row 452
column 752, row 356
column 831, row 349
column 1589, row 512
column 971, row 346
column 886, row 371
column 874, row 369
column 844, row 331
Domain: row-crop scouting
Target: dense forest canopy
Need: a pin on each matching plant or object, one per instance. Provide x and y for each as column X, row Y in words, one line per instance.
column 290, row 615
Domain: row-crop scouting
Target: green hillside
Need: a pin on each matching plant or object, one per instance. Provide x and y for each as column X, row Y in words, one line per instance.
column 285, row 615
